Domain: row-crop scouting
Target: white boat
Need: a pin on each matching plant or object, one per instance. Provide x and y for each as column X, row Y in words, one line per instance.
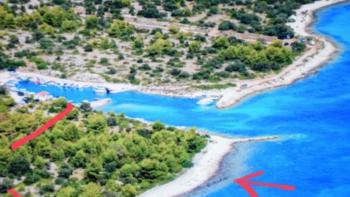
column 206, row 101
column 51, row 83
column 100, row 90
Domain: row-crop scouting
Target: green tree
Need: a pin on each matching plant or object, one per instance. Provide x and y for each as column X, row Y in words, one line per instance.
column 67, row 191
column 160, row 47
column 79, row 160
column 46, row 44
column 129, row 190
column 96, row 123
column 19, row 165
column 194, row 47
column 120, row 29
column 7, row 20
column 92, row 190
column 69, row 25
column 221, row 42
column 65, row 171
column 94, row 170
column 85, row 107
column 58, row 105
column 226, row 25
column 6, row 184
column 157, row 126
column 91, row 22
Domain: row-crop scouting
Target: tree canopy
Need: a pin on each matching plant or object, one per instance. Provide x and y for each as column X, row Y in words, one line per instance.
column 93, row 157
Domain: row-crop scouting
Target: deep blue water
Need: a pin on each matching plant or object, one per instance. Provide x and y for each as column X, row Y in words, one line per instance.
column 313, row 117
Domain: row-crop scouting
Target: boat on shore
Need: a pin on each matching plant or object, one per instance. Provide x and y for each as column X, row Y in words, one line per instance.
column 206, row 101
column 100, row 90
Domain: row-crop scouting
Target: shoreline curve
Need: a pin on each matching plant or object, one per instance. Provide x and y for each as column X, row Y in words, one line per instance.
column 206, row 164
column 307, row 64
column 229, row 97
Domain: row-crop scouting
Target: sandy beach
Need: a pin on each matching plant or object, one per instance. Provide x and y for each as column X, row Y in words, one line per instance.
column 205, row 166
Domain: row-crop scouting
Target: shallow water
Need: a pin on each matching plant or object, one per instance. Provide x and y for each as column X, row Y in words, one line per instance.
column 312, row 116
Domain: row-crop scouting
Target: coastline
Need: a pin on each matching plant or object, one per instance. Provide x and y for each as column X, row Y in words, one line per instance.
column 315, row 57
column 205, row 166
column 304, row 66
column 207, row 162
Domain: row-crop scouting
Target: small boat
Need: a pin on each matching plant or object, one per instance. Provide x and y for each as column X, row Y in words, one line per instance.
column 100, row 90
column 206, row 101
column 51, row 83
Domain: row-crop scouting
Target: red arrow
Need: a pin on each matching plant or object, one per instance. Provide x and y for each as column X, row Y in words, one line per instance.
column 36, row 133
column 13, row 193
column 246, row 183
column 43, row 128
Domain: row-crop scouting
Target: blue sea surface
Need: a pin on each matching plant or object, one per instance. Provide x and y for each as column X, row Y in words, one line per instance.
column 312, row 116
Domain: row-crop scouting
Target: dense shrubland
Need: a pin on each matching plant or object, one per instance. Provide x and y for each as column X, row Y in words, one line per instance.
column 261, row 16
column 94, row 154
column 55, row 37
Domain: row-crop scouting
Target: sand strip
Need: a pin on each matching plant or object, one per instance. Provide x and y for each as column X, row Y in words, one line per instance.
column 205, row 166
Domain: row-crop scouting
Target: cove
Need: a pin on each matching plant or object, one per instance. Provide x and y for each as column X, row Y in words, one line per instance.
column 312, row 116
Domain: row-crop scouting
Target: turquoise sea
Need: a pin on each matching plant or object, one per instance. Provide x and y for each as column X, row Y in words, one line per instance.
column 312, row 116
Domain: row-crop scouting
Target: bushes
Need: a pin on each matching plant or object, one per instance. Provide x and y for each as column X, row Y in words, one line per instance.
column 47, row 189
column 46, row 44
column 272, row 57
column 137, row 159
column 150, row 11
column 175, row 62
column 298, row 47
column 65, row 171
column 226, row 25
column 194, row 47
column 235, row 66
column 8, row 63
column 281, row 31
column 245, row 18
column 19, row 165
column 6, row 184
column 145, row 67
column 3, row 90
column 160, row 47
column 120, row 29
